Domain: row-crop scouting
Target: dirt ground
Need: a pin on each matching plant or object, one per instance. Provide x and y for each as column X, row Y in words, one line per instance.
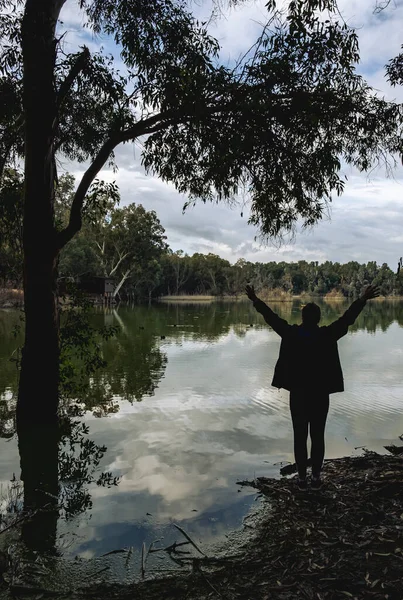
column 342, row 541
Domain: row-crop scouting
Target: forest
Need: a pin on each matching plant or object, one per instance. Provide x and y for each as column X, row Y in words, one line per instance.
column 128, row 244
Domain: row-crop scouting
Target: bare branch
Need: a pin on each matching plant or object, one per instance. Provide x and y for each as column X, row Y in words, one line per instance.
column 118, row 263
column 381, row 5
column 121, row 282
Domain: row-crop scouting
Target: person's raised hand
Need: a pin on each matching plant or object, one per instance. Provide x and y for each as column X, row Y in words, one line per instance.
column 250, row 292
column 372, row 291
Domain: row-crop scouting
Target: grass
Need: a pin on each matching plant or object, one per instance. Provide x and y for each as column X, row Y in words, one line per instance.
column 199, row 298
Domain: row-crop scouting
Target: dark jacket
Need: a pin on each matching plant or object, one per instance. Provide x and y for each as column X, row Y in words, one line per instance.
column 309, row 358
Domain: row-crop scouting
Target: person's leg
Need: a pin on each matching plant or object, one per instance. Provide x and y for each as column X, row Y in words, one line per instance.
column 300, row 427
column 317, row 422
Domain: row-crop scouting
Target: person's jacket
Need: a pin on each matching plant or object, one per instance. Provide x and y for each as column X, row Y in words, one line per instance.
column 309, row 357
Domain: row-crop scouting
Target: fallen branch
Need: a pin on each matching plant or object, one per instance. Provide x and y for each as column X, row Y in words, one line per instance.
column 143, row 562
column 187, row 536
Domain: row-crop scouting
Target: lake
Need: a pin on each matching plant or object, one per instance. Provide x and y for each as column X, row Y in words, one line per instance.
column 185, row 409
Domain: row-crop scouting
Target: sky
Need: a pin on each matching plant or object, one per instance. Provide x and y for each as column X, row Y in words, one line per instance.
column 364, row 224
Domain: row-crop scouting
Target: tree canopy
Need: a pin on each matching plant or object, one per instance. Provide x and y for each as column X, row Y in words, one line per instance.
column 273, row 128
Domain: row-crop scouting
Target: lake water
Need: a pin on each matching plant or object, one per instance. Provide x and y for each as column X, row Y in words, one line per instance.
column 190, row 410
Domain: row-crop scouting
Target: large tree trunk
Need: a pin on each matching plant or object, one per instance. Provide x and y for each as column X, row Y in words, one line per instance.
column 38, row 393
column 39, row 378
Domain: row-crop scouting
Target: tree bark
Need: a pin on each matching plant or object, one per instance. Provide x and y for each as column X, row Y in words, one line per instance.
column 38, row 391
column 121, row 282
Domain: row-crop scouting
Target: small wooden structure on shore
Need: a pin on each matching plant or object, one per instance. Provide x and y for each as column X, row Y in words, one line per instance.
column 100, row 289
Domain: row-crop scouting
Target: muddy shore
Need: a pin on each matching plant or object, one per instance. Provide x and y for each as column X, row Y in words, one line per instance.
column 342, row 541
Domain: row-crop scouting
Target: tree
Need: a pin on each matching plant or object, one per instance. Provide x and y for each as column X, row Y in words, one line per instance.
column 276, row 125
column 180, row 268
column 128, row 241
column 79, row 258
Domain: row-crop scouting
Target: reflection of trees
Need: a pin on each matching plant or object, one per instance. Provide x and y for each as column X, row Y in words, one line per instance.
column 211, row 321
column 203, row 321
column 58, row 460
column 58, row 463
column 381, row 314
column 134, row 361
column 376, row 314
column 10, row 340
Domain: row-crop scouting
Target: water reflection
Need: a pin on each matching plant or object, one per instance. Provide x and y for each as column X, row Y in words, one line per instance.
column 135, row 358
column 38, row 449
column 58, row 463
column 209, row 417
column 11, row 339
column 135, row 362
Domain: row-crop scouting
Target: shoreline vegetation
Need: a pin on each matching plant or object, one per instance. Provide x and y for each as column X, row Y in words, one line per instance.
column 11, row 298
column 342, row 541
column 270, row 295
column 14, row 298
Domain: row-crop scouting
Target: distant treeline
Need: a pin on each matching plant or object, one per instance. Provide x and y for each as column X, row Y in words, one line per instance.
column 210, row 274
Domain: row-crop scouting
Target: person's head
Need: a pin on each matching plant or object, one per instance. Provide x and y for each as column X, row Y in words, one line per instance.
column 310, row 314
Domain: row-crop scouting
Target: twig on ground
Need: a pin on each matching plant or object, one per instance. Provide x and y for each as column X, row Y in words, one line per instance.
column 187, row 536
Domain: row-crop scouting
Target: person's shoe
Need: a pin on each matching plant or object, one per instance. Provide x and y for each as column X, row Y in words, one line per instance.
column 302, row 483
column 316, row 483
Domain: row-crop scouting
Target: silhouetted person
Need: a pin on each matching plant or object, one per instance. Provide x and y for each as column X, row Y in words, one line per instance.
column 309, row 368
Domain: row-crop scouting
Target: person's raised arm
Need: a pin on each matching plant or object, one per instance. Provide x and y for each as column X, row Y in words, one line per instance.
column 279, row 325
column 340, row 327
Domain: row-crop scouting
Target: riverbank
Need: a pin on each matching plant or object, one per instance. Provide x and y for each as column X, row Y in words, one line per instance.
column 195, row 298
column 15, row 298
column 343, row 541
column 11, row 298
column 270, row 298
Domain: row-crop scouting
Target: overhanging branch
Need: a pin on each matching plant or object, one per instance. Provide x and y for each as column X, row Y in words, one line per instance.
column 75, row 220
column 143, row 127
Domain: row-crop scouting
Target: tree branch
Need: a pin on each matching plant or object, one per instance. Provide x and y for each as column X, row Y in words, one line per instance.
column 75, row 220
column 118, row 263
column 142, row 127
column 78, row 66
column 125, row 276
